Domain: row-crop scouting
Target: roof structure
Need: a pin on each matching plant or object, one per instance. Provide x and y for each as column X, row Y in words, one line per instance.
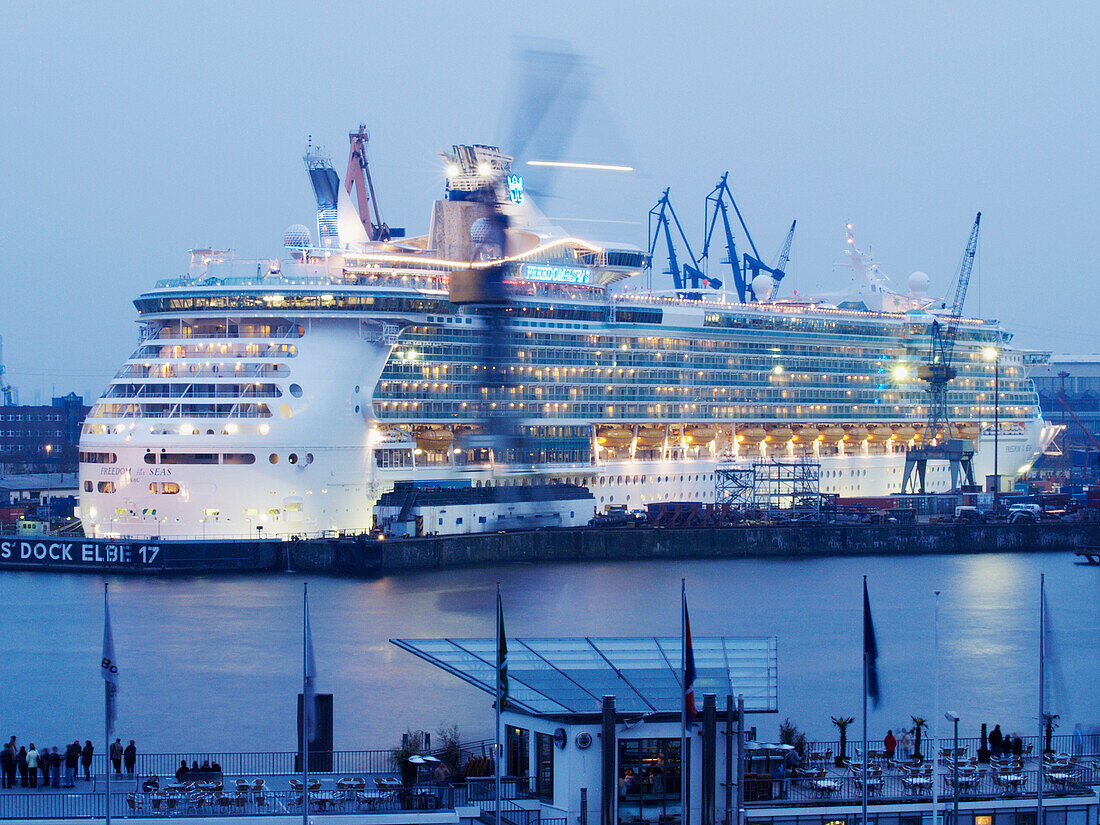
column 548, row 677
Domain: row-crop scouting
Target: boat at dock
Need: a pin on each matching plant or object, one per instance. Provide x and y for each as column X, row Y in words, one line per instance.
column 283, row 397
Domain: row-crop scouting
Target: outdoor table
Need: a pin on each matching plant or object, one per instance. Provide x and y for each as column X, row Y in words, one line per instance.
column 917, row 784
column 1012, row 781
column 825, row 787
column 1060, row 777
column 322, row 800
column 874, row 785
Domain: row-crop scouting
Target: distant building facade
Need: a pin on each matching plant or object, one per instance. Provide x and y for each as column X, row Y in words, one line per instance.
column 41, row 438
column 1079, row 377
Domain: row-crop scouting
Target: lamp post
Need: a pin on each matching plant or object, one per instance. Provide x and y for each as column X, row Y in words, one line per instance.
column 954, row 718
column 994, row 355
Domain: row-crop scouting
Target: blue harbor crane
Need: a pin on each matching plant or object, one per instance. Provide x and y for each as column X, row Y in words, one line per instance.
column 937, row 373
column 781, row 261
column 748, row 267
column 689, row 278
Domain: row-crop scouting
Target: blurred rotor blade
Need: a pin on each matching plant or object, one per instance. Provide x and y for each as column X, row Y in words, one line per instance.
column 551, row 91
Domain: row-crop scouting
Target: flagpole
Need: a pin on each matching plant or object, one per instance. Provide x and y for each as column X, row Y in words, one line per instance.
column 863, row 820
column 685, row 765
column 107, row 712
column 1042, row 690
column 497, row 751
column 305, row 703
column 936, row 716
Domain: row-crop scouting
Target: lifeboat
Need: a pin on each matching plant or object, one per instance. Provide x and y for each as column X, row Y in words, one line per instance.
column 433, row 439
column 969, row 430
column 831, row 435
column 878, row 434
column 700, row 435
column 651, row 436
column 905, row 433
column 752, row 435
column 780, row 435
column 615, row 437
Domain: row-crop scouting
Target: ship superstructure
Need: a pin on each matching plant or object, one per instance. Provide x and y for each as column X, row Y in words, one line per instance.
column 283, row 397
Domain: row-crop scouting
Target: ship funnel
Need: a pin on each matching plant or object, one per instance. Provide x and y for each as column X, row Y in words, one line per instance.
column 338, row 226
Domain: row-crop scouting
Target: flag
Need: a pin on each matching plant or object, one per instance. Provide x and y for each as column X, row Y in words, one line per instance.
column 309, row 693
column 870, row 649
column 689, row 670
column 502, row 654
column 109, row 666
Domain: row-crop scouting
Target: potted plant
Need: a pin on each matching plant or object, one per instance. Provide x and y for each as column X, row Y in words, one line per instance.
column 842, row 722
column 919, row 724
column 412, row 744
column 450, row 748
column 789, row 734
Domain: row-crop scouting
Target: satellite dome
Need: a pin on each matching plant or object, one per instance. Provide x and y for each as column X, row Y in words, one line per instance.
column 918, row 283
column 762, row 286
column 482, row 231
column 297, row 235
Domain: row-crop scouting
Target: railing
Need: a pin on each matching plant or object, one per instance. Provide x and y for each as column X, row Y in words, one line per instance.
column 425, row 796
column 273, row 763
column 1060, row 743
column 896, row 787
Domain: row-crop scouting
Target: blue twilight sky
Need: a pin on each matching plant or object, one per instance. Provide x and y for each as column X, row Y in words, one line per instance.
column 134, row 131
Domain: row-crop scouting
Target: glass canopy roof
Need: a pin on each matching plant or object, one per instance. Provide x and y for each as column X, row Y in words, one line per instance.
column 568, row 676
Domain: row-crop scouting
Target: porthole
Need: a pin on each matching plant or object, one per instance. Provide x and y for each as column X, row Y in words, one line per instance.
column 285, row 411
column 309, row 458
column 273, row 458
column 356, row 389
column 357, row 408
column 296, row 390
column 292, row 458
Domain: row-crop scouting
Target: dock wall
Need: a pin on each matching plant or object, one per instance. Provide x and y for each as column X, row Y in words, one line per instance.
column 621, row 544
column 359, row 556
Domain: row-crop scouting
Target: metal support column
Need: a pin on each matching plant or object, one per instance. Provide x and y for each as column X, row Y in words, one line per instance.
column 609, row 783
column 706, row 798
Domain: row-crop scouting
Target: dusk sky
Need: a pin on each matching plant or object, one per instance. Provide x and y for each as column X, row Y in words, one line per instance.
column 133, row 132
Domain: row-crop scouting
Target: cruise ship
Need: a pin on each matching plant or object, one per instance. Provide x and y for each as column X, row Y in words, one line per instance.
column 282, row 397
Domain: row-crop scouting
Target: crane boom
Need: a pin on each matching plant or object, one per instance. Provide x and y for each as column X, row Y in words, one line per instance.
column 961, row 287
column 780, row 268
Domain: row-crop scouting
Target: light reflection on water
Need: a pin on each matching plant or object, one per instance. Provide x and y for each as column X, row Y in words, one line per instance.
column 215, row 662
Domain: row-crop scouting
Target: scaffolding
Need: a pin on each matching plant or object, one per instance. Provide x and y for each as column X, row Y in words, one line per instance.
column 788, row 488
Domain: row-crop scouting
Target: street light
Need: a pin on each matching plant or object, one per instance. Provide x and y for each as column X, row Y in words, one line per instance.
column 954, row 718
column 994, row 355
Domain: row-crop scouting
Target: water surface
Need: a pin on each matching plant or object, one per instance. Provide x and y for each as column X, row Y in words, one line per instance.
column 215, row 663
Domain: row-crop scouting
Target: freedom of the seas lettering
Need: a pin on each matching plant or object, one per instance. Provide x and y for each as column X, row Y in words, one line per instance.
column 90, row 553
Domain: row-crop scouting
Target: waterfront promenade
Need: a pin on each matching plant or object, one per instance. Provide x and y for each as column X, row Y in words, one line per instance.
column 365, row 793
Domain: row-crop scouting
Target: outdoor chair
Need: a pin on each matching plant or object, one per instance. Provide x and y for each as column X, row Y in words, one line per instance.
column 296, row 785
column 242, row 785
column 358, row 784
column 133, row 803
column 240, row 800
column 258, row 786
column 224, row 801
column 154, row 803
column 261, row 801
column 343, row 783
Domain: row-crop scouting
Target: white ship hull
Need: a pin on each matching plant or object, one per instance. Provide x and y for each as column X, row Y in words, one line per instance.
column 282, row 398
